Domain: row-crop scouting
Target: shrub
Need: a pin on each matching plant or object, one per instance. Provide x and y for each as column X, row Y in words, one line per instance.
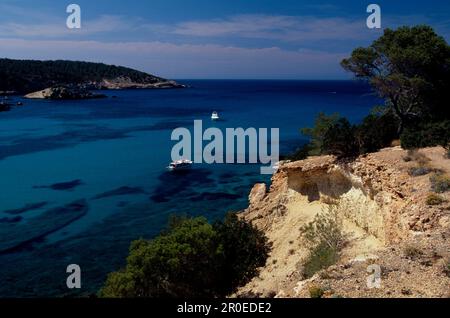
column 339, row 140
column 180, row 262
column 426, row 135
column 434, row 199
column 419, row 171
column 317, row 133
column 316, row 292
column 192, row 258
column 325, row 228
column 412, row 252
column 245, row 249
column 440, row 183
column 321, row 256
column 300, row 154
column 336, row 136
column 325, row 238
column 376, row 132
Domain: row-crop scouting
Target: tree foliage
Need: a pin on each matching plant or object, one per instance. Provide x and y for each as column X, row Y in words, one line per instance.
column 322, row 124
column 409, row 68
column 192, row 258
column 427, row 135
column 339, row 140
column 376, row 132
column 333, row 135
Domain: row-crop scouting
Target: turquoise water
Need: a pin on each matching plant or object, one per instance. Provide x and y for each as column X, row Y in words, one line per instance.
column 111, row 154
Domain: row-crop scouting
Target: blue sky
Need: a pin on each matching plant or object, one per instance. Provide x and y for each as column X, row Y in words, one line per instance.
column 277, row 39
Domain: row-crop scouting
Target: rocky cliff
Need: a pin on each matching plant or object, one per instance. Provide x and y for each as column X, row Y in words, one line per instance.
column 387, row 217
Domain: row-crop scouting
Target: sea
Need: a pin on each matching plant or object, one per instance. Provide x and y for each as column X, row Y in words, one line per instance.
column 80, row 180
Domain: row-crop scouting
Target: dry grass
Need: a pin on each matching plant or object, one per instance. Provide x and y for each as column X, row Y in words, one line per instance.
column 434, row 199
column 412, row 252
column 440, row 183
column 316, row 291
column 416, row 156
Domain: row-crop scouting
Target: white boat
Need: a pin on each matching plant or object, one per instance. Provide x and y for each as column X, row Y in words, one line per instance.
column 180, row 164
column 215, row 116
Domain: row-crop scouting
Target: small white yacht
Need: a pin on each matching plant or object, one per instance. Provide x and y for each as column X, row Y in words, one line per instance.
column 215, row 116
column 180, row 164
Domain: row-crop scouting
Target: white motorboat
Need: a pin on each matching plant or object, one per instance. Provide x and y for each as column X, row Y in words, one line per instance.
column 180, row 164
column 215, row 116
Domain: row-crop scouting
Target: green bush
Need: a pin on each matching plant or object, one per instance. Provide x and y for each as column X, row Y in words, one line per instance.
column 376, row 132
column 336, row 136
column 339, row 140
column 245, row 249
column 192, row 258
column 317, row 133
column 325, row 238
column 316, row 292
column 426, row 135
column 321, row 256
column 299, row 154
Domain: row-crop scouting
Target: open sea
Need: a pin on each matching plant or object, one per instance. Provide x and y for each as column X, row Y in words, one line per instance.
column 79, row 180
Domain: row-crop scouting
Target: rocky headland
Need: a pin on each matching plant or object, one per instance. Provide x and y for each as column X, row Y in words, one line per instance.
column 72, row 79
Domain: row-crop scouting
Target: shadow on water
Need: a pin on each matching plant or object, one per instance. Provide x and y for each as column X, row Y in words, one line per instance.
column 21, row 145
column 175, row 184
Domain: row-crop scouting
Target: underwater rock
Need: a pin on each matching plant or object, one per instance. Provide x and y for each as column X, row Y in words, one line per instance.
column 28, row 207
column 119, row 191
column 15, row 236
column 14, row 219
column 63, row 186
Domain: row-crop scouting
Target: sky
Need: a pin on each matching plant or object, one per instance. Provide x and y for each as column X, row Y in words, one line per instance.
column 215, row 39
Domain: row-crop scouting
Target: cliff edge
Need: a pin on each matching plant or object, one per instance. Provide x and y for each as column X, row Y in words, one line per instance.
column 387, row 215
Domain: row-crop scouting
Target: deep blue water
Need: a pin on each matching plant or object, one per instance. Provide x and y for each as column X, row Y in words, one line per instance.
column 110, row 155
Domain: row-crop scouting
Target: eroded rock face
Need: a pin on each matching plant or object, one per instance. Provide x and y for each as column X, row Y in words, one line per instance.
column 384, row 212
column 257, row 194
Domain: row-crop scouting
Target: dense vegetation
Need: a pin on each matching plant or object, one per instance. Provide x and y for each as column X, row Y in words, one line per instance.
column 410, row 69
column 26, row 76
column 335, row 135
column 192, row 258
